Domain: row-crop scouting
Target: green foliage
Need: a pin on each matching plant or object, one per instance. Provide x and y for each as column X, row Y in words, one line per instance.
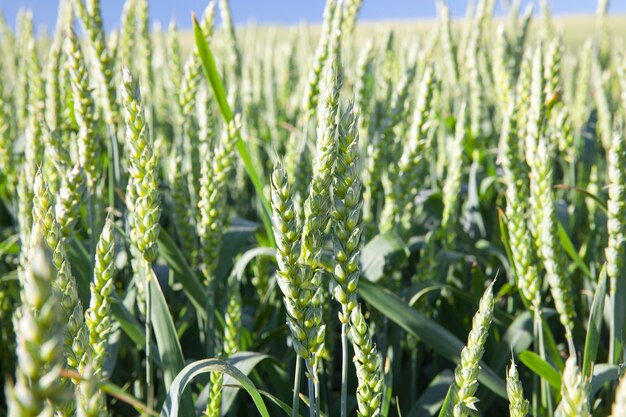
column 341, row 199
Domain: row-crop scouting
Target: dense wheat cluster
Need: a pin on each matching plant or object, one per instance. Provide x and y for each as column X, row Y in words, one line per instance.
column 312, row 221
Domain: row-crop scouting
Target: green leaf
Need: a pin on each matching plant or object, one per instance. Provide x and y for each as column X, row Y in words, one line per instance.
column 430, row 332
column 472, row 206
column 586, row 193
column 594, row 327
column 183, row 272
column 434, row 396
column 81, row 267
column 446, row 408
column 504, row 237
column 571, row 251
column 9, row 276
column 245, row 362
column 551, row 350
column 280, row 404
column 542, row 368
column 420, row 289
column 387, row 383
column 517, row 338
column 382, row 253
column 167, row 341
column 10, row 245
column 117, row 392
column 603, row 373
column 618, row 314
column 177, row 387
column 236, row 239
column 240, row 266
column 210, row 70
column 133, row 329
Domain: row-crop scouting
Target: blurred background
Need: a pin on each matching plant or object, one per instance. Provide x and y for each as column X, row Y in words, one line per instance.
column 288, row 12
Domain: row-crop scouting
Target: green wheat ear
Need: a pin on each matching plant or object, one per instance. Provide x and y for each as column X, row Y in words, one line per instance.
column 216, row 168
column 312, row 92
column 453, row 182
column 351, row 14
column 368, row 365
column 91, row 400
column 6, row 138
column 574, row 392
column 90, row 16
column 317, row 209
column 616, row 207
column 399, row 205
column 516, row 194
column 466, row 373
column 98, row 316
column 518, row 405
column 296, row 292
column 346, row 215
column 543, row 214
column 39, row 328
column 142, row 196
column 127, row 37
column 76, row 343
column 145, row 52
column 214, row 175
column 88, row 147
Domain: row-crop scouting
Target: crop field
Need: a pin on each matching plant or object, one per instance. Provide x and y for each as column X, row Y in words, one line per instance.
column 356, row 219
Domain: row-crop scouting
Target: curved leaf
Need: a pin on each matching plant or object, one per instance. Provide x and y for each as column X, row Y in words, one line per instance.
column 433, row 397
column 245, row 362
column 382, row 251
column 172, row 402
column 421, row 289
column 603, row 373
column 280, row 404
column 240, row 266
column 234, row 241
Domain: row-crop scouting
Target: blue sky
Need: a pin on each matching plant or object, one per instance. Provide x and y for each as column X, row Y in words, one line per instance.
column 281, row 11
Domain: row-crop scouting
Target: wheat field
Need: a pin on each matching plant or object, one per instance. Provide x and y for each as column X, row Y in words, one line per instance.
column 411, row 219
